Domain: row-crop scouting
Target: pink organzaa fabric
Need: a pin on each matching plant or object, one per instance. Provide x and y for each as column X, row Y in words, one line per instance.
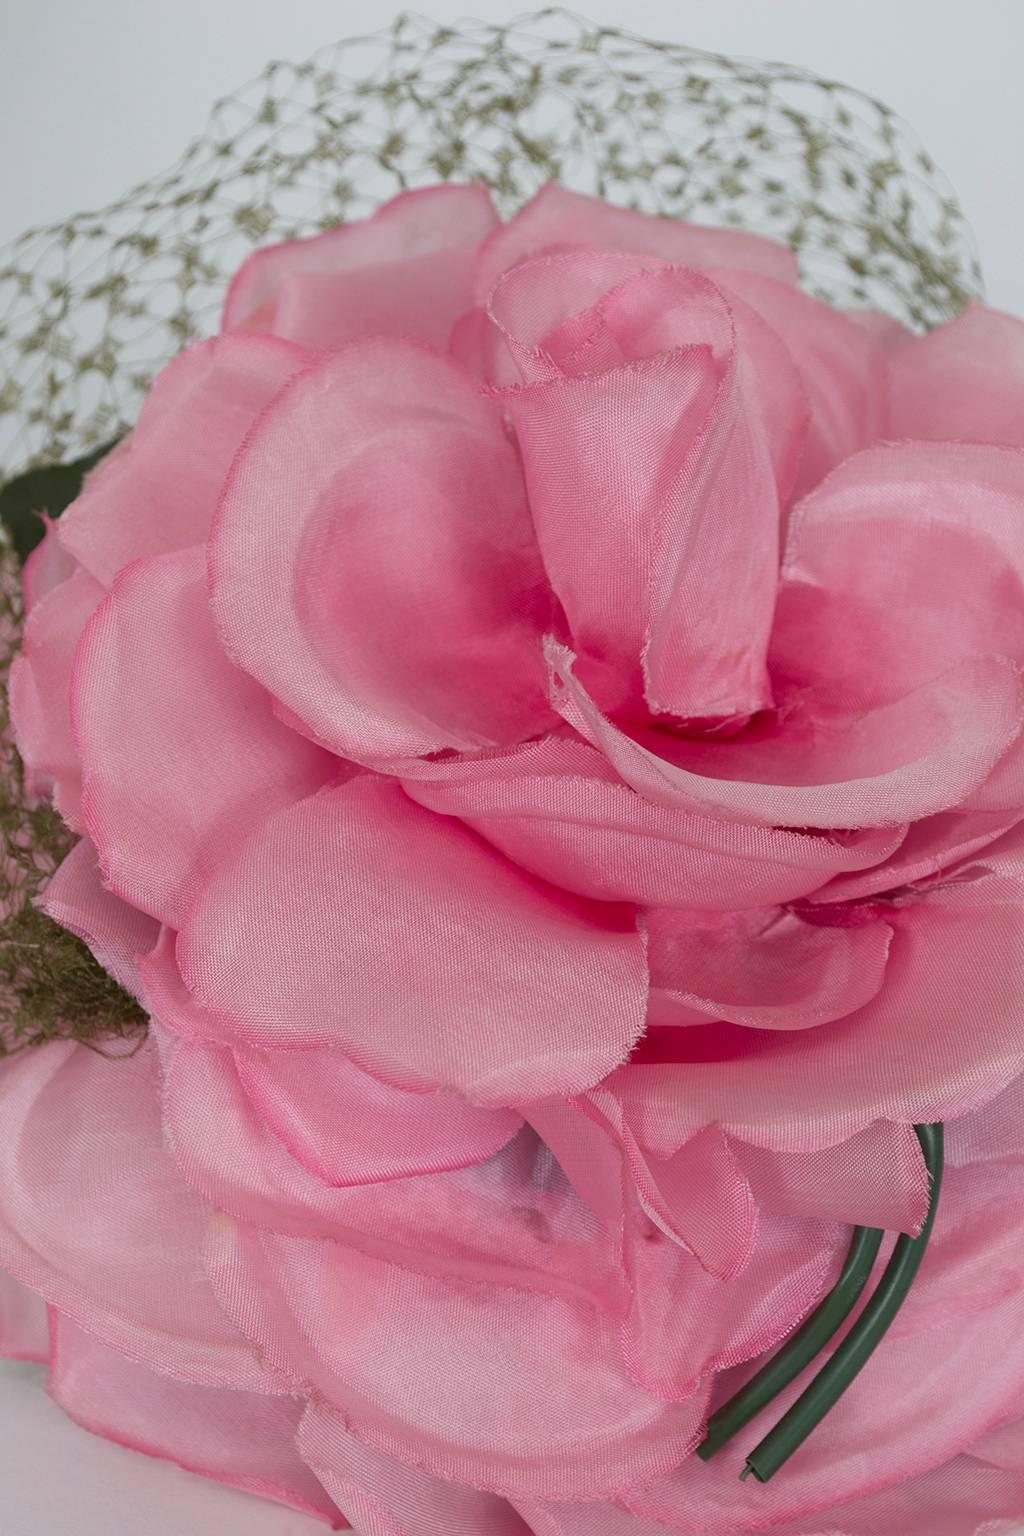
column 542, row 704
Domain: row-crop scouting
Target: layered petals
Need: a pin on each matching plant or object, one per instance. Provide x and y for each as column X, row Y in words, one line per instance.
column 975, row 1258
column 407, row 271
column 510, row 1221
column 152, row 687
column 410, row 504
column 964, row 1497
column 908, row 758
column 119, row 1256
column 942, row 1037
column 875, row 1178
column 432, row 962
column 243, row 1439
column 912, row 719
column 763, row 969
column 930, row 847
column 883, row 1460
column 698, row 1255
column 391, row 1498
column 684, row 1323
column 169, row 1001
column 552, row 776
column 651, row 481
column 557, row 808
column 886, row 1428
column 419, row 1367
column 588, row 311
column 158, row 490
column 696, row 1195
column 348, row 1128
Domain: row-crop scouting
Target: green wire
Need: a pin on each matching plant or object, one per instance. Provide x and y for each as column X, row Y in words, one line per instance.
column 863, row 1338
column 798, row 1352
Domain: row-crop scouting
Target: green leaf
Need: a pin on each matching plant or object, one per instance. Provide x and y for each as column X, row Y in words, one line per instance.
column 48, row 490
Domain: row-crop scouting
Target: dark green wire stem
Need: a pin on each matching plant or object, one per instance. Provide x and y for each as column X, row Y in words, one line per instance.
column 798, row 1352
column 863, row 1338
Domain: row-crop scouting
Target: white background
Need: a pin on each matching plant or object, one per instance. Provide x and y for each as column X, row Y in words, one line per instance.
column 96, row 96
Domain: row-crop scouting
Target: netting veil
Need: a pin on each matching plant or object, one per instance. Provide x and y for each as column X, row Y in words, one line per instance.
column 92, row 307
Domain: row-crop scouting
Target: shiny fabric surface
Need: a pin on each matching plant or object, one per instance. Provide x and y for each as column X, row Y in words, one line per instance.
column 542, row 706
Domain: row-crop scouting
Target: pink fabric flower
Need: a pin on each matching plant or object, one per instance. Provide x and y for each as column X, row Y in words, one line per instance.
column 542, row 705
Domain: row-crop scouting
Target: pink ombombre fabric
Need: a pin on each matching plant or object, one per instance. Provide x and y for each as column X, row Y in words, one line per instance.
column 542, row 707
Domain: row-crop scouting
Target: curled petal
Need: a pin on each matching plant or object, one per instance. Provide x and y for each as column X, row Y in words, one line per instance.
column 678, row 500
column 119, row 1256
column 907, row 563
column 700, row 1197
column 883, row 766
column 419, row 1367
column 698, row 1258
column 876, row 1177
column 391, row 1497
column 41, row 692
column 557, row 808
column 158, row 490
column 373, row 563
column 243, row 1439
column 557, row 217
column 152, row 688
column 406, row 271
column 765, row 970
column 591, row 311
column 554, row 313
column 478, row 345
column 697, row 1196
column 433, row 962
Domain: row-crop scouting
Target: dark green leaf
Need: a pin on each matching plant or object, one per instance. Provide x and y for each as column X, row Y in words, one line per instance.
column 49, row 490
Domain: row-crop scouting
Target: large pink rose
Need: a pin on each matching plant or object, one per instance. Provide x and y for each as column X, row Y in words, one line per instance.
column 542, row 707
